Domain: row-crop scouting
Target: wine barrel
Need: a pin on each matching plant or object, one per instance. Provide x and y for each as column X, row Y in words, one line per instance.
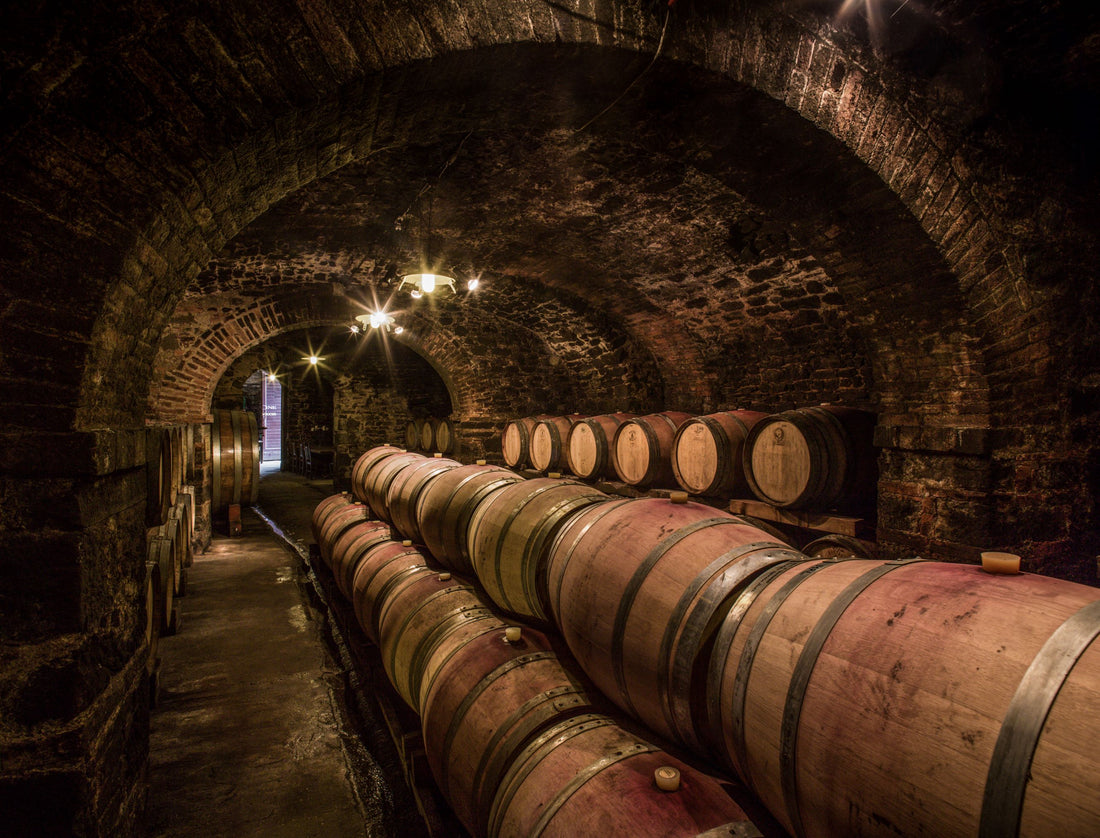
column 406, row 489
column 364, row 464
column 162, row 552
column 412, row 434
column 836, row 546
column 707, row 453
column 160, row 480
column 187, row 501
column 419, row 612
column 866, row 698
column 586, row 775
column 325, row 508
column 377, row 480
column 813, row 458
column 235, row 459
column 185, row 528
column 546, row 448
column 336, row 523
column 381, row 567
column 153, row 605
column 443, row 436
column 643, row 449
column 588, row 450
column 350, row 548
column 444, row 510
column 483, row 700
column 516, row 439
column 637, row 588
column 510, row 534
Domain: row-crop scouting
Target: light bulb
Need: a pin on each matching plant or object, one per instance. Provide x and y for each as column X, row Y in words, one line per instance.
column 397, row 330
column 272, row 377
column 427, row 283
column 473, row 284
column 377, row 319
column 354, row 329
column 313, row 359
column 415, row 293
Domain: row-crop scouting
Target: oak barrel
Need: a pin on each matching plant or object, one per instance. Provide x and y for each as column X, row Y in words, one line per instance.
column 380, row 568
column 643, row 449
column 446, row 505
column 364, row 464
column 510, row 534
column 837, row 546
column 160, row 477
column 515, row 441
column 637, row 588
column 338, row 521
column 707, row 453
column 406, row 489
column 588, row 450
column 377, row 480
column 351, row 546
column 443, row 437
column 412, row 433
column 587, row 776
column 861, row 697
column 813, row 458
column 235, row 459
column 483, row 700
column 162, row 553
column 546, row 448
column 325, row 508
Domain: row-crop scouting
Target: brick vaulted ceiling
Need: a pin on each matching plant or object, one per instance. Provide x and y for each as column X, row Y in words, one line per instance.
column 195, row 179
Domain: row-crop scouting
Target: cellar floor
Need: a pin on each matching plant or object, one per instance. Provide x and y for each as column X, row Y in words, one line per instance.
column 251, row 734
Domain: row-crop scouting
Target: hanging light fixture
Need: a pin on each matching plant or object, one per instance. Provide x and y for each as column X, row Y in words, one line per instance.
column 377, row 320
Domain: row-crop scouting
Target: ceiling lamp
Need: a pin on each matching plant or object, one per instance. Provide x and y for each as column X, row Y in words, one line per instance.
column 378, row 320
column 426, row 283
column 313, row 359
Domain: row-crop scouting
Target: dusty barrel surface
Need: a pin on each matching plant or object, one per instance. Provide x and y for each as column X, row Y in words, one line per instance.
column 367, row 460
column 589, row 453
column 546, row 447
column 446, row 505
column 707, row 453
column 234, row 459
column 350, row 548
column 863, row 697
column 588, row 776
column 510, row 534
column 814, row 457
column 643, row 449
column 483, row 701
column 406, row 489
column 638, row 587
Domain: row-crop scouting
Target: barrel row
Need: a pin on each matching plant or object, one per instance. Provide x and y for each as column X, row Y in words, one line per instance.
column 433, row 435
column 167, row 465
column 816, row 457
column 516, row 738
column 712, row 633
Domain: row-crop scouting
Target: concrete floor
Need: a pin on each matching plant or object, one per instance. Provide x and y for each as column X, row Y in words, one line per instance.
column 252, row 733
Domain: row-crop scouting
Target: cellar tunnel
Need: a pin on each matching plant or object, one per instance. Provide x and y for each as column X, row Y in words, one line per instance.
column 696, row 206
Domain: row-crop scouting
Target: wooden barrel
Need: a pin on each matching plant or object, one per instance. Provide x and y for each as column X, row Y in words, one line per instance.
column 348, row 550
column 153, row 619
column 586, row 775
column 378, row 477
column 637, row 588
column 364, row 464
column 381, row 567
column 445, row 506
column 336, row 523
column 325, row 508
column 406, row 489
column 813, row 458
column 836, row 546
column 412, row 434
column 162, row 552
column 187, row 501
column 160, row 485
column 515, row 441
column 171, row 532
column 418, row 614
column 185, row 528
column 589, row 453
column 707, row 453
column 235, row 459
column 643, row 449
column 870, row 698
column 443, row 437
column 483, row 700
column 510, row 534
column 546, row 449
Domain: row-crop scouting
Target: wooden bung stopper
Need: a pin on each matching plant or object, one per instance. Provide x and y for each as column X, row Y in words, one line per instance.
column 480, row 462
column 667, row 777
column 554, row 474
column 512, row 633
column 406, row 543
column 444, row 577
column 678, row 497
column 438, row 454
